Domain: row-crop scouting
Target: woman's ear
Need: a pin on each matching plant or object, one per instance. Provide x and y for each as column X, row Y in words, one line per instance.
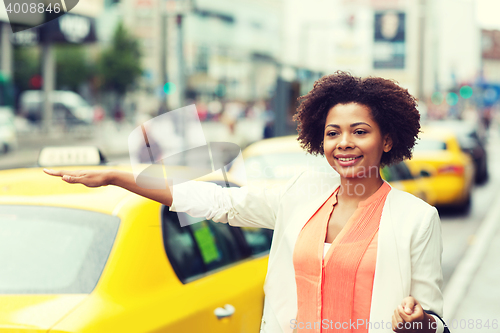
column 387, row 143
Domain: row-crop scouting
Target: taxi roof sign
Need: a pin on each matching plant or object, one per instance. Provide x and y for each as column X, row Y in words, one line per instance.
column 70, row 155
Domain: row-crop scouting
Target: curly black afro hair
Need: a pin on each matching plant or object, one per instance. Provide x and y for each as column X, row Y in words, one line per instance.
column 392, row 107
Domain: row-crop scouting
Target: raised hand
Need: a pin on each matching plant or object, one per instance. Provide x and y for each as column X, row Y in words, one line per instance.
column 89, row 178
column 126, row 180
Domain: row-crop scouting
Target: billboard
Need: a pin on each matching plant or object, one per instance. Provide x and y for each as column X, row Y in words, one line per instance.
column 389, row 49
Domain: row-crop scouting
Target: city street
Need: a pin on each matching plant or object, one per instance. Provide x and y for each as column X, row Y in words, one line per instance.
column 467, row 285
column 198, row 86
column 459, row 230
column 470, row 257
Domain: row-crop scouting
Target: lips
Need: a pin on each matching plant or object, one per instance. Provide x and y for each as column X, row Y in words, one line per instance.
column 346, row 161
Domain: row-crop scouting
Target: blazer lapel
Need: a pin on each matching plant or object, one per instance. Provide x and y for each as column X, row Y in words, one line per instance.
column 281, row 300
column 387, row 284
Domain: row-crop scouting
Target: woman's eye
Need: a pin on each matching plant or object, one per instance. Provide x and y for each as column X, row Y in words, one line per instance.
column 331, row 134
column 360, row 132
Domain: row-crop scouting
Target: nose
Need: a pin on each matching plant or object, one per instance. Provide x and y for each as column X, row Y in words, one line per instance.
column 345, row 142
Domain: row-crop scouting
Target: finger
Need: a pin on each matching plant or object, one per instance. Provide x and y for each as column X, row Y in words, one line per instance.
column 60, row 173
column 402, row 314
column 54, row 172
column 67, row 178
column 71, row 179
column 418, row 312
column 408, row 304
column 398, row 316
column 398, row 322
column 394, row 324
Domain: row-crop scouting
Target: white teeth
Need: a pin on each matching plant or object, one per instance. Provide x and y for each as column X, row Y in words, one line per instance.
column 346, row 159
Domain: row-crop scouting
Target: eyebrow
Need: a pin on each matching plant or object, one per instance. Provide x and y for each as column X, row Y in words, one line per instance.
column 352, row 125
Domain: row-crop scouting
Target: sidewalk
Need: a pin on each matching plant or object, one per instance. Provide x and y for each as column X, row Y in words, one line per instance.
column 482, row 299
column 472, row 296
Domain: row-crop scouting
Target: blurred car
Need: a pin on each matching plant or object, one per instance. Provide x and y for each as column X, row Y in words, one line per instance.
column 471, row 141
column 400, row 177
column 447, row 170
column 8, row 136
column 76, row 259
column 68, row 107
column 271, row 162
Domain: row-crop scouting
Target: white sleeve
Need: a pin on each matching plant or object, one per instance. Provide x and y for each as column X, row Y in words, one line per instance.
column 247, row 206
column 427, row 276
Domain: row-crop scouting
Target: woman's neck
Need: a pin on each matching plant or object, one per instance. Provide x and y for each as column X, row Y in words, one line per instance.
column 354, row 190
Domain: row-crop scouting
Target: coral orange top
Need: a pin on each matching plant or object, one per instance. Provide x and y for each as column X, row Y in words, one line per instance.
column 334, row 292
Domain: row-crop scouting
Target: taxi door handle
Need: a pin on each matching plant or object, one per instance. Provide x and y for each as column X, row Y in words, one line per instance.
column 226, row 311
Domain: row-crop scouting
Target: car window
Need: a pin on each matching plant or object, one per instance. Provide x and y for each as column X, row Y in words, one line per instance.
column 217, row 243
column 388, row 174
column 181, row 249
column 396, row 172
column 259, row 240
column 403, row 171
column 53, row 250
column 199, row 247
column 429, row 145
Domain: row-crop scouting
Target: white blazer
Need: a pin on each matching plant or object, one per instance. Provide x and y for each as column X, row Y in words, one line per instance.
column 408, row 254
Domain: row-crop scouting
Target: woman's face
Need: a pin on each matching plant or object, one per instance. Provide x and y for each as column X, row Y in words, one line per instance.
column 353, row 142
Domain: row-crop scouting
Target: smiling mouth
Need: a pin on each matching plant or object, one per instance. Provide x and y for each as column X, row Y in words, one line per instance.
column 342, row 159
column 346, row 162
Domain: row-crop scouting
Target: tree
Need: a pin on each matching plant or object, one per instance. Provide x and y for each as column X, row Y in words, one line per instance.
column 119, row 65
column 72, row 69
column 26, row 66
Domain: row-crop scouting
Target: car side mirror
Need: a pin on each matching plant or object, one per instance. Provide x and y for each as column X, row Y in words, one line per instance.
column 425, row 173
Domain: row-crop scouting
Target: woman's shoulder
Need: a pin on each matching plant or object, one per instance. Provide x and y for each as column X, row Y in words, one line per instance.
column 414, row 217
column 319, row 180
column 408, row 204
column 309, row 185
column 319, row 175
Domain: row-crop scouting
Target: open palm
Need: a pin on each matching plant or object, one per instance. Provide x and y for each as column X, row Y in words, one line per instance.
column 89, row 178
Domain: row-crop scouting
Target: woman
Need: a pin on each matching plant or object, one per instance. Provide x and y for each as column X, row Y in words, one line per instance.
column 383, row 265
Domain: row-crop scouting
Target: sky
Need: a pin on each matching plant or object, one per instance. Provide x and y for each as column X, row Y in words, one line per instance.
column 487, row 13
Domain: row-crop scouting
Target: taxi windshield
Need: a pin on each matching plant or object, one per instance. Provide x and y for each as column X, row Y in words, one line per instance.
column 53, row 250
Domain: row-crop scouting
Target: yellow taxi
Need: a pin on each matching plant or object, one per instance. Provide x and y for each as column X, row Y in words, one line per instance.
column 76, row 259
column 447, row 170
column 271, row 162
column 400, row 177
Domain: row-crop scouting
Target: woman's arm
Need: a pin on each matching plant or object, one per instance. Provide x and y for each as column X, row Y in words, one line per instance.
column 427, row 276
column 97, row 178
column 247, row 206
column 426, row 281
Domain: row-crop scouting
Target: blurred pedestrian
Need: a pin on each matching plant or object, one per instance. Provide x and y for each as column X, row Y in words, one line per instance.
column 118, row 115
column 202, row 110
column 269, row 118
column 214, row 109
column 232, row 112
column 98, row 114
